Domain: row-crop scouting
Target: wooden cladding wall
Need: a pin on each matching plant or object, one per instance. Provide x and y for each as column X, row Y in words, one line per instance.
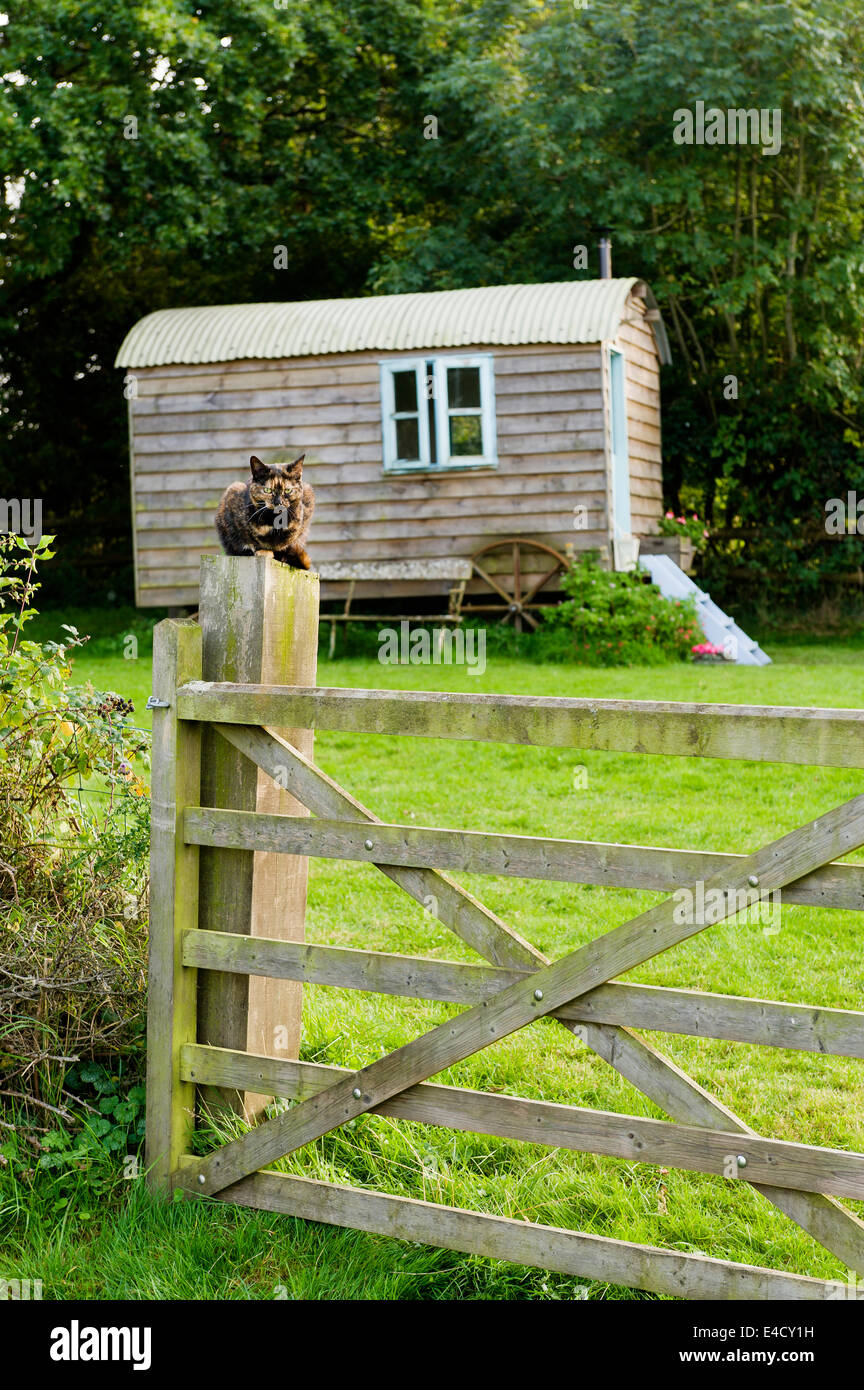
column 193, row 428
column 642, row 371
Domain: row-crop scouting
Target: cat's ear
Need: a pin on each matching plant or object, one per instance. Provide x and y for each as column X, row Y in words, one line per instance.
column 295, row 469
column 260, row 471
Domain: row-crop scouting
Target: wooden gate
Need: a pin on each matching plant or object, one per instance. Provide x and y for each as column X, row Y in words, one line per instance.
column 517, row 984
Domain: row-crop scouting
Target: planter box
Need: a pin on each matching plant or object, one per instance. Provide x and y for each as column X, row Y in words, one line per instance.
column 678, row 548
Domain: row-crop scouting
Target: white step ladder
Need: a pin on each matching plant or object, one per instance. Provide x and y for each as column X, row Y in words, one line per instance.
column 717, row 626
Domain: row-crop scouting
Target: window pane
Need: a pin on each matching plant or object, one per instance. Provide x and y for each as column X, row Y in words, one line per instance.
column 463, row 387
column 405, row 390
column 408, row 440
column 466, row 435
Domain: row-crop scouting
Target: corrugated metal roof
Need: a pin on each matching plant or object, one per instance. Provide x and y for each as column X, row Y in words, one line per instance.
column 574, row 311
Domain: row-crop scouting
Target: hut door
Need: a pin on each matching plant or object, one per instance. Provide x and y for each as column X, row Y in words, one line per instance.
column 620, row 455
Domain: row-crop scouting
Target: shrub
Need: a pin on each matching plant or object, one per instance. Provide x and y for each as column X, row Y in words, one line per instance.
column 74, row 832
column 616, row 619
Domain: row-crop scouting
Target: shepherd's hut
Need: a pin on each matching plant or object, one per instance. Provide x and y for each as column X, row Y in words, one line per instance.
column 463, row 434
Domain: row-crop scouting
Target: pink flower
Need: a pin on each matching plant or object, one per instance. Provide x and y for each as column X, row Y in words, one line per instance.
column 670, row 513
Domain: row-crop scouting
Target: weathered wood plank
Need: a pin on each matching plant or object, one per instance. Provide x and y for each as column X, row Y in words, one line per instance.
column 768, row 1023
column 216, row 417
column 174, row 595
column 758, row 733
column 255, row 419
column 601, row 1258
column 171, row 1007
column 631, row 944
column 360, row 467
column 511, row 856
column 803, row 1027
column 774, row 1162
column 452, row 568
column 346, row 541
column 257, row 617
column 557, row 476
column 245, row 440
column 265, row 375
column 148, row 404
column 351, row 549
column 517, row 357
column 195, row 528
column 435, row 534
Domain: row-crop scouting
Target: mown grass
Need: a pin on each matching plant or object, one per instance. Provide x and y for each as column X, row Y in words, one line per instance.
column 130, row 1247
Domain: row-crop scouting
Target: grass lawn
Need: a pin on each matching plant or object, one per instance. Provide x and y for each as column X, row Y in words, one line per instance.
column 129, row 1247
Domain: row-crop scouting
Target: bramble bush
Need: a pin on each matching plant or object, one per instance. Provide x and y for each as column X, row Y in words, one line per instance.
column 616, row 619
column 74, row 836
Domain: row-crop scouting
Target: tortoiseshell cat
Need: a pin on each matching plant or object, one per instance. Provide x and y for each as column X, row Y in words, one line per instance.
column 271, row 511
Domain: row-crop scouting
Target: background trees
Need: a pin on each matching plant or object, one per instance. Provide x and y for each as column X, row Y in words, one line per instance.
column 303, row 127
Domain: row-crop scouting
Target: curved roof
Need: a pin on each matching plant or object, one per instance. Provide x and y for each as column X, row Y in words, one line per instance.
column 573, row 311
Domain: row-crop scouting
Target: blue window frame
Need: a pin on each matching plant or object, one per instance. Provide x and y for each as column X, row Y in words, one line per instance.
column 438, row 412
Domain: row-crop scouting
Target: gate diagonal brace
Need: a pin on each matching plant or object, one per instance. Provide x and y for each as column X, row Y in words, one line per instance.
column 629, row 945
column 643, row 1065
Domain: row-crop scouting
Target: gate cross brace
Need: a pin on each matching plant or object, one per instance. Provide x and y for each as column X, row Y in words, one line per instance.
column 838, row 832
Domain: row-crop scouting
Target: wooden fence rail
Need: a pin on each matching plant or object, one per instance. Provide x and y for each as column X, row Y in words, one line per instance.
column 757, row 733
column 200, row 953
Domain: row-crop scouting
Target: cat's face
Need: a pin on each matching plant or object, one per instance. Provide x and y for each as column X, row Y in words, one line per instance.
column 277, row 486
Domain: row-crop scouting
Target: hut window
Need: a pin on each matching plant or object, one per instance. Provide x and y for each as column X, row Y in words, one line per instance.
column 438, row 413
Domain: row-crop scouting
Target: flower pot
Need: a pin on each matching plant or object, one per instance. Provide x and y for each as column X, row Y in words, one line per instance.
column 678, row 548
column 625, row 552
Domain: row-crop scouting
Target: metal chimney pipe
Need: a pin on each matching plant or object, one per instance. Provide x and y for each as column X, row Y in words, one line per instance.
column 605, row 258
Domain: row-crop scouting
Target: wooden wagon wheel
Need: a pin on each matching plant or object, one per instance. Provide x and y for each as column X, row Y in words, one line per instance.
column 514, row 603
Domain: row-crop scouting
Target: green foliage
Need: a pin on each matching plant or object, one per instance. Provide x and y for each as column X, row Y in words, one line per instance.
column 81, row 1164
column 617, row 619
column 116, row 1122
column 689, row 526
column 303, row 127
column 74, row 813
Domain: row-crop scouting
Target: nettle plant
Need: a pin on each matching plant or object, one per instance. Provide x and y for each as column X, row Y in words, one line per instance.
column 618, row 619
column 74, row 833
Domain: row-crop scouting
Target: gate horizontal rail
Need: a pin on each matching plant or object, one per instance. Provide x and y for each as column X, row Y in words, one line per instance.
column 800, row 1027
column 755, row 733
column 600, row 1258
column 519, row 856
column 776, row 1162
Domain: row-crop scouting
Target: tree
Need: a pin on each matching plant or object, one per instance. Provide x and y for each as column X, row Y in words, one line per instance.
column 162, row 152
column 158, row 154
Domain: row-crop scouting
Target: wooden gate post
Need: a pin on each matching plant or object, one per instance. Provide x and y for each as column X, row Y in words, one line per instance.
column 259, row 621
column 175, row 780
